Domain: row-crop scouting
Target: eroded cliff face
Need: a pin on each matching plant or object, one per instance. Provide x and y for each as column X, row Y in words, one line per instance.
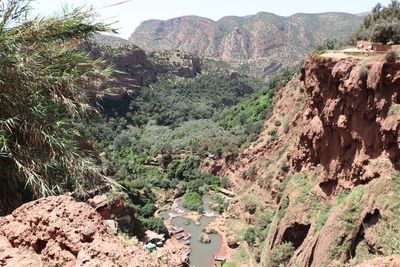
column 350, row 141
column 330, row 176
column 351, row 120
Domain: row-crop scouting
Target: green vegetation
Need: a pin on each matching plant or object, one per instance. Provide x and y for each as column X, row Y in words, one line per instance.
column 277, row 123
column 352, row 204
column 387, row 232
column 391, row 56
column 250, row 206
column 322, row 218
column 382, row 25
column 262, row 223
column 172, row 102
column 280, row 255
column 193, row 201
column 43, row 80
column 220, row 203
column 250, row 236
column 225, row 182
column 394, row 109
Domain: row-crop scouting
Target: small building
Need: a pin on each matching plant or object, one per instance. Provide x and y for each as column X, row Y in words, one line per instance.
column 373, row 47
column 381, row 48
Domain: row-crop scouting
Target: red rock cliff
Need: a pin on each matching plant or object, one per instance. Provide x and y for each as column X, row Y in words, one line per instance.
column 351, row 118
column 349, row 141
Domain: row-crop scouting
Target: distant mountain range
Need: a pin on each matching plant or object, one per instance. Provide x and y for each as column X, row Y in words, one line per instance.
column 261, row 43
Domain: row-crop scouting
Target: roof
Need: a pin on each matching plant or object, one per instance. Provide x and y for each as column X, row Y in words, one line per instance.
column 150, row 235
column 150, row 246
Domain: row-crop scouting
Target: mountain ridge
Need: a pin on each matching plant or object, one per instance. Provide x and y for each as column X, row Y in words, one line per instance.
column 259, row 44
column 252, row 15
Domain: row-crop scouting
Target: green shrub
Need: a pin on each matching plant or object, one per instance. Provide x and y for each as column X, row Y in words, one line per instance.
column 277, row 123
column 225, row 182
column 272, row 138
column 391, row 56
column 273, row 132
column 262, row 222
column 394, row 109
column 44, row 80
column 250, row 206
column 193, row 201
column 155, row 224
column 220, row 203
column 148, row 210
column 280, row 255
column 249, row 172
column 250, row 237
column 286, row 127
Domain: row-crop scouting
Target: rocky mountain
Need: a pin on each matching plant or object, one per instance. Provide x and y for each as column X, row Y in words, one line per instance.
column 260, row 44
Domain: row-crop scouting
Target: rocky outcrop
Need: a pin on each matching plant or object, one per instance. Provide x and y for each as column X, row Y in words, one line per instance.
column 349, row 120
column 60, row 231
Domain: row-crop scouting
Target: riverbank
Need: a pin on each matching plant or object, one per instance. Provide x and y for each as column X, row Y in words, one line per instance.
column 224, row 251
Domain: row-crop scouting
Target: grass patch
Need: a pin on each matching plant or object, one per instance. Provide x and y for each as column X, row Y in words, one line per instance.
column 241, row 256
column 322, row 218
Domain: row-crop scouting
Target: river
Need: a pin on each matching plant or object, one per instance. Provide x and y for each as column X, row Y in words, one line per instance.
column 202, row 254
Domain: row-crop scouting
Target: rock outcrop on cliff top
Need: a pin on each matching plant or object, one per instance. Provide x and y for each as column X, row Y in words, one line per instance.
column 58, row 231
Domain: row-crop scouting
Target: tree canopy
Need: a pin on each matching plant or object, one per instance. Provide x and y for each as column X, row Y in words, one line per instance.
column 382, row 25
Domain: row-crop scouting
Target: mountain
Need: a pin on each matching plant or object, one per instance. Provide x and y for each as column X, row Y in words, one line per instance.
column 260, row 44
column 110, row 40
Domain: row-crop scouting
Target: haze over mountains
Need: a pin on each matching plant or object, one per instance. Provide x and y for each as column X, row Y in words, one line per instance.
column 263, row 42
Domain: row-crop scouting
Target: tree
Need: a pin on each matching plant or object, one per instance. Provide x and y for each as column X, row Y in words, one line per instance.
column 382, row 25
column 44, row 78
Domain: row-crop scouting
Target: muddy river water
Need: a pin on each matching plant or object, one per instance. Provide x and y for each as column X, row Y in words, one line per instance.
column 202, row 254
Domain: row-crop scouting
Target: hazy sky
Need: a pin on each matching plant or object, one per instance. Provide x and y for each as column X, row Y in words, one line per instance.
column 129, row 15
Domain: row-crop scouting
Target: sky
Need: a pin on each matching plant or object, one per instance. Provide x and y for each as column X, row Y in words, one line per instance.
column 129, row 14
